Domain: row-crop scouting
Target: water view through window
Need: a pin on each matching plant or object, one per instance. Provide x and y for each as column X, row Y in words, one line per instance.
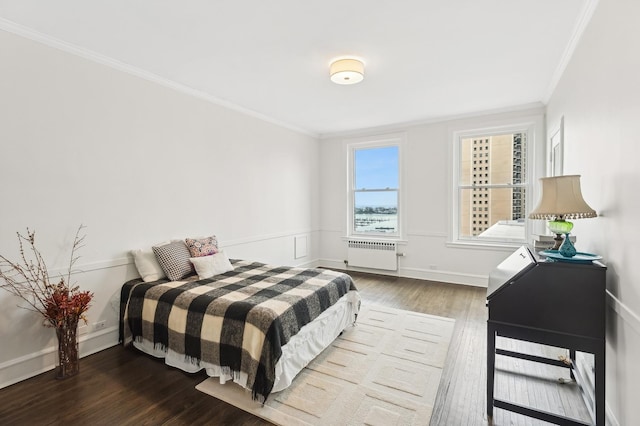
column 376, row 190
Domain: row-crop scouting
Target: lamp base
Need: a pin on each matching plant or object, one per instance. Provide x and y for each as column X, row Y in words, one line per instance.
column 558, row 239
column 559, row 226
column 567, row 249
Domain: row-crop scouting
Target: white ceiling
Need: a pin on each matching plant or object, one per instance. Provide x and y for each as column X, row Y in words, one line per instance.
column 425, row 59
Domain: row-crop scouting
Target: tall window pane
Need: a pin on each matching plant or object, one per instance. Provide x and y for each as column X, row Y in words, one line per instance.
column 491, row 188
column 375, row 192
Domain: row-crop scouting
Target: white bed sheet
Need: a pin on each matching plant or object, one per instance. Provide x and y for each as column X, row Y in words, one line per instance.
column 301, row 349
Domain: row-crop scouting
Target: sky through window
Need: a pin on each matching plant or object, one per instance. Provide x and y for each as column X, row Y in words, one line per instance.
column 376, row 168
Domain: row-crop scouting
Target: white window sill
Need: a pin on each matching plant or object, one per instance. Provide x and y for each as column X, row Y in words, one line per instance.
column 481, row 245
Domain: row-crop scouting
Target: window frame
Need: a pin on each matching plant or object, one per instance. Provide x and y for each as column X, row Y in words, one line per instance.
column 380, row 141
column 532, row 152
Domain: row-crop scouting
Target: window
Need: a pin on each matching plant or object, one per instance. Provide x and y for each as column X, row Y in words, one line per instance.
column 502, row 186
column 374, row 195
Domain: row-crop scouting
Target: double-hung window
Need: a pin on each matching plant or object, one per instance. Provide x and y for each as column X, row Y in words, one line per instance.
column 490, row 185
column 374, row 195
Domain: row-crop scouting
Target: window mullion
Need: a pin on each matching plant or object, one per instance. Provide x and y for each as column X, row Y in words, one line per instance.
column 493, row 186
column 376, row 190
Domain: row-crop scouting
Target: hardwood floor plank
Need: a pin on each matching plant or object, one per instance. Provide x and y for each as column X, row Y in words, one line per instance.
column 126, row 387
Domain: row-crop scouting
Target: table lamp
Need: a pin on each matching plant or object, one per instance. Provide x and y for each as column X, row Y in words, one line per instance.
column 561, row 199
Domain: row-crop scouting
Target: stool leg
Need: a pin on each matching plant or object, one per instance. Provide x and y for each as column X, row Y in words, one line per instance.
column 572, row 357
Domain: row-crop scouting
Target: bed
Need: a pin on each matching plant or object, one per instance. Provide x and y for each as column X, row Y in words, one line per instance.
column 257, row 325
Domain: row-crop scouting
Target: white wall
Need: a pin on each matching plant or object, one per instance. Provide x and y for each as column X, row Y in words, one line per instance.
column 599, row 97
column 427, row 173
column 137, row 163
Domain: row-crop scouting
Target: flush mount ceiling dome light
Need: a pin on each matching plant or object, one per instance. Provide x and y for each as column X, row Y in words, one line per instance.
column 347, row 71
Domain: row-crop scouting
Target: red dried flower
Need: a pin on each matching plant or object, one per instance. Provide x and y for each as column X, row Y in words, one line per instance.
column 66, row 306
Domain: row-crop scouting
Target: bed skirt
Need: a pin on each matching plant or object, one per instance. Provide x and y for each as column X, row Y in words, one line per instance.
column 301, row 349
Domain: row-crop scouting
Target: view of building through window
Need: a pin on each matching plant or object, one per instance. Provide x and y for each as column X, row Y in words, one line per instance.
column 375, row 192
column 492, row 187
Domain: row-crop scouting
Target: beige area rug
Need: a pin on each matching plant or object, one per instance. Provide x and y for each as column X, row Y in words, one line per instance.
column 384, row 371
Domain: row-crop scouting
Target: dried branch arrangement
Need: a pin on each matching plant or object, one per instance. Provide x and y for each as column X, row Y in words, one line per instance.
column 59, row 302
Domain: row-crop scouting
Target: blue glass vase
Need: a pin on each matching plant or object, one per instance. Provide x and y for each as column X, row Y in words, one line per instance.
column 567, row 249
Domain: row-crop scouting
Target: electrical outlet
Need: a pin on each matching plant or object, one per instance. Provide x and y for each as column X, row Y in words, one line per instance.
column 99, row 325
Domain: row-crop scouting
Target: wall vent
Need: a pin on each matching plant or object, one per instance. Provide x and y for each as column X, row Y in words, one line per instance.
column 372, row 254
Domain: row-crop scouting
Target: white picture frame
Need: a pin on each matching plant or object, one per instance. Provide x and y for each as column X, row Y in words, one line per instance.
column 555, row 150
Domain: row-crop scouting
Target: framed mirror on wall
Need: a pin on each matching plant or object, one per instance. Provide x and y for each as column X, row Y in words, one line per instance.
column 555, row 149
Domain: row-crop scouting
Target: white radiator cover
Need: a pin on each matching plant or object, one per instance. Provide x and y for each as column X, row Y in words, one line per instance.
column 372, row 254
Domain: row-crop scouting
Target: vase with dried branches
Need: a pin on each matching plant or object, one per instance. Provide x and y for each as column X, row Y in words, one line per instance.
column 61, row 304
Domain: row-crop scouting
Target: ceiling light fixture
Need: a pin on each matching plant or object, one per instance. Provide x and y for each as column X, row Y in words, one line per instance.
column 347, row 71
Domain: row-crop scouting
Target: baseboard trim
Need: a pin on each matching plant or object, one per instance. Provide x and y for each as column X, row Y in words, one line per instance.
column 445, row 276
column 417, row 273
column 31, row 365
column 315, row 263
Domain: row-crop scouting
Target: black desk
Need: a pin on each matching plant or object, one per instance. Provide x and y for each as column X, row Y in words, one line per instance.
column 554, row 303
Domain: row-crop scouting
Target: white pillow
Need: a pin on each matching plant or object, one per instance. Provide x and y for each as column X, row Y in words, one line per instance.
column 147, row 265
column 208, row 266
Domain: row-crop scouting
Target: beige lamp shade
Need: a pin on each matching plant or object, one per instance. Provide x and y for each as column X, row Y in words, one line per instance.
column 347, row 71
column 561, row 198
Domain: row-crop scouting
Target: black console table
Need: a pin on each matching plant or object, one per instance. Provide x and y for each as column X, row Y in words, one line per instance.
column 560, row 304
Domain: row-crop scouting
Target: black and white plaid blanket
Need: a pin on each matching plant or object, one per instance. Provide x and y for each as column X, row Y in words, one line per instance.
column 238, row 320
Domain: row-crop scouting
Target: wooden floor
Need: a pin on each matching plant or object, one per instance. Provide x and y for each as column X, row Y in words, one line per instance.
column 121, row 386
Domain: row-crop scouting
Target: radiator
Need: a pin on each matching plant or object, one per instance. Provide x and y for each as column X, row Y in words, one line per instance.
column 372, row 254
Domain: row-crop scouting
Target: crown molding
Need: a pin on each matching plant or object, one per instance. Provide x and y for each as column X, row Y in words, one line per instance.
column 534, row 107
column 90, row 55
column 581, row 24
